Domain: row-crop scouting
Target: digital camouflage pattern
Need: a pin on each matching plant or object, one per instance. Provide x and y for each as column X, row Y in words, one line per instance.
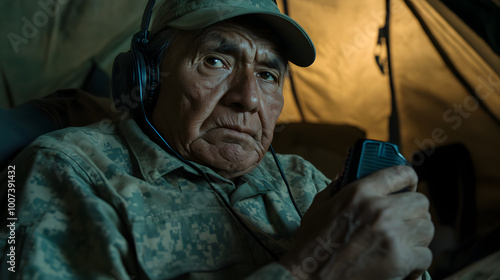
column 105, row 202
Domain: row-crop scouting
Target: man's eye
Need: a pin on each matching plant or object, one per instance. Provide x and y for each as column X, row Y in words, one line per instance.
column 267, row 76
column 214, row 62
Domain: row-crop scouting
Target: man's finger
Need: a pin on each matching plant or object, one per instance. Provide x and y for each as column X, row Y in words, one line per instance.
column 421, row 262
column 389, row 180
column 420, row 232
column 410, row 204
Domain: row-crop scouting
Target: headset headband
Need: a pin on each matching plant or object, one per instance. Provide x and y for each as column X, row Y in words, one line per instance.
column 141, row 37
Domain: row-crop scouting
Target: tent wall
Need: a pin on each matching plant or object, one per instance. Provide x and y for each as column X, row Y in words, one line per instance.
column 436, row 109
column 51, row 44
column 344, row 85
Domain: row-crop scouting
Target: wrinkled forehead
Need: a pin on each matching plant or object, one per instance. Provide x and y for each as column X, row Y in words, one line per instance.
column 228, row 33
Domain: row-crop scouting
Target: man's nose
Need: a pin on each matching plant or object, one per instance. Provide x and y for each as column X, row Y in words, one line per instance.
column 244, row 92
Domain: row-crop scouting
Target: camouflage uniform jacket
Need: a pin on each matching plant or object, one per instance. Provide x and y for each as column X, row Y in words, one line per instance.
column 105, row 202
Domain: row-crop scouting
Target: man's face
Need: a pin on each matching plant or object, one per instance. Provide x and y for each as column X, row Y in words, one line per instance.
column 221, row 98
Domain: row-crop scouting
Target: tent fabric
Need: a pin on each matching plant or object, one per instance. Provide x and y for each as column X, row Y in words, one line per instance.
column 436, row 109
column 483, row 16
column 52, row 44
column 329, row 91
column 478, row 43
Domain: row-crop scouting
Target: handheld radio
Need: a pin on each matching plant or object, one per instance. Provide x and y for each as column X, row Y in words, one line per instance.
column 366, row 157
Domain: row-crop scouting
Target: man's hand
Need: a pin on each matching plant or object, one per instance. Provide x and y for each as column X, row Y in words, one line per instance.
column 365, row 231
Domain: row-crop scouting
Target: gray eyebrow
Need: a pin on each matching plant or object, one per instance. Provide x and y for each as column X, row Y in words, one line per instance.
column 222, row 45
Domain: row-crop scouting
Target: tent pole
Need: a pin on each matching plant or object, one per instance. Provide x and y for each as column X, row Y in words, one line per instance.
column 384, row 32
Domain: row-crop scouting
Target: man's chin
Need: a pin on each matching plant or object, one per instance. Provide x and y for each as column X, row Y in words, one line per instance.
column 231, row 164
column 228, row 159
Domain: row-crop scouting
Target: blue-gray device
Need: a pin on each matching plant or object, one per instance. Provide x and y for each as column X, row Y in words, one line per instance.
column 366, row 157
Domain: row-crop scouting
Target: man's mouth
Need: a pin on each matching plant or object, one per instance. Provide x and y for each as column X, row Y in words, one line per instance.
column 240, row 129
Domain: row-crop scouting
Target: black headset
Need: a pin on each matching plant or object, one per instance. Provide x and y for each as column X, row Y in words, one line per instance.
column 135, row 74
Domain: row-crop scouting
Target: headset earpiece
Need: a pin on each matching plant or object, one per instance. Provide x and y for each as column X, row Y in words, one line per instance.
column 135, row 76
column 130, row 81
column 152, row 74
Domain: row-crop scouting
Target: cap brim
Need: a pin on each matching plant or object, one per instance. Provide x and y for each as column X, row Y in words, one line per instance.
column 299, row 47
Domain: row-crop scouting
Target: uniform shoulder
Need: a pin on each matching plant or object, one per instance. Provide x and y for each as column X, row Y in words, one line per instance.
column 77, row 140
column 104, row 128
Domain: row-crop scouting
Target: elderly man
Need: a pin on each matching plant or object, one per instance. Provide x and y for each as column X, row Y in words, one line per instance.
column 188, row 190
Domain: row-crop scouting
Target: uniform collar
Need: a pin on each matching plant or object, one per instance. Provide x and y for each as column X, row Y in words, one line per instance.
column 154, row 162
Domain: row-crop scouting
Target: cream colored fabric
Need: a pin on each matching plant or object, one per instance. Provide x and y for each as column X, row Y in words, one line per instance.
column 344, row 85
column 50, row 44
column 436, row 108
